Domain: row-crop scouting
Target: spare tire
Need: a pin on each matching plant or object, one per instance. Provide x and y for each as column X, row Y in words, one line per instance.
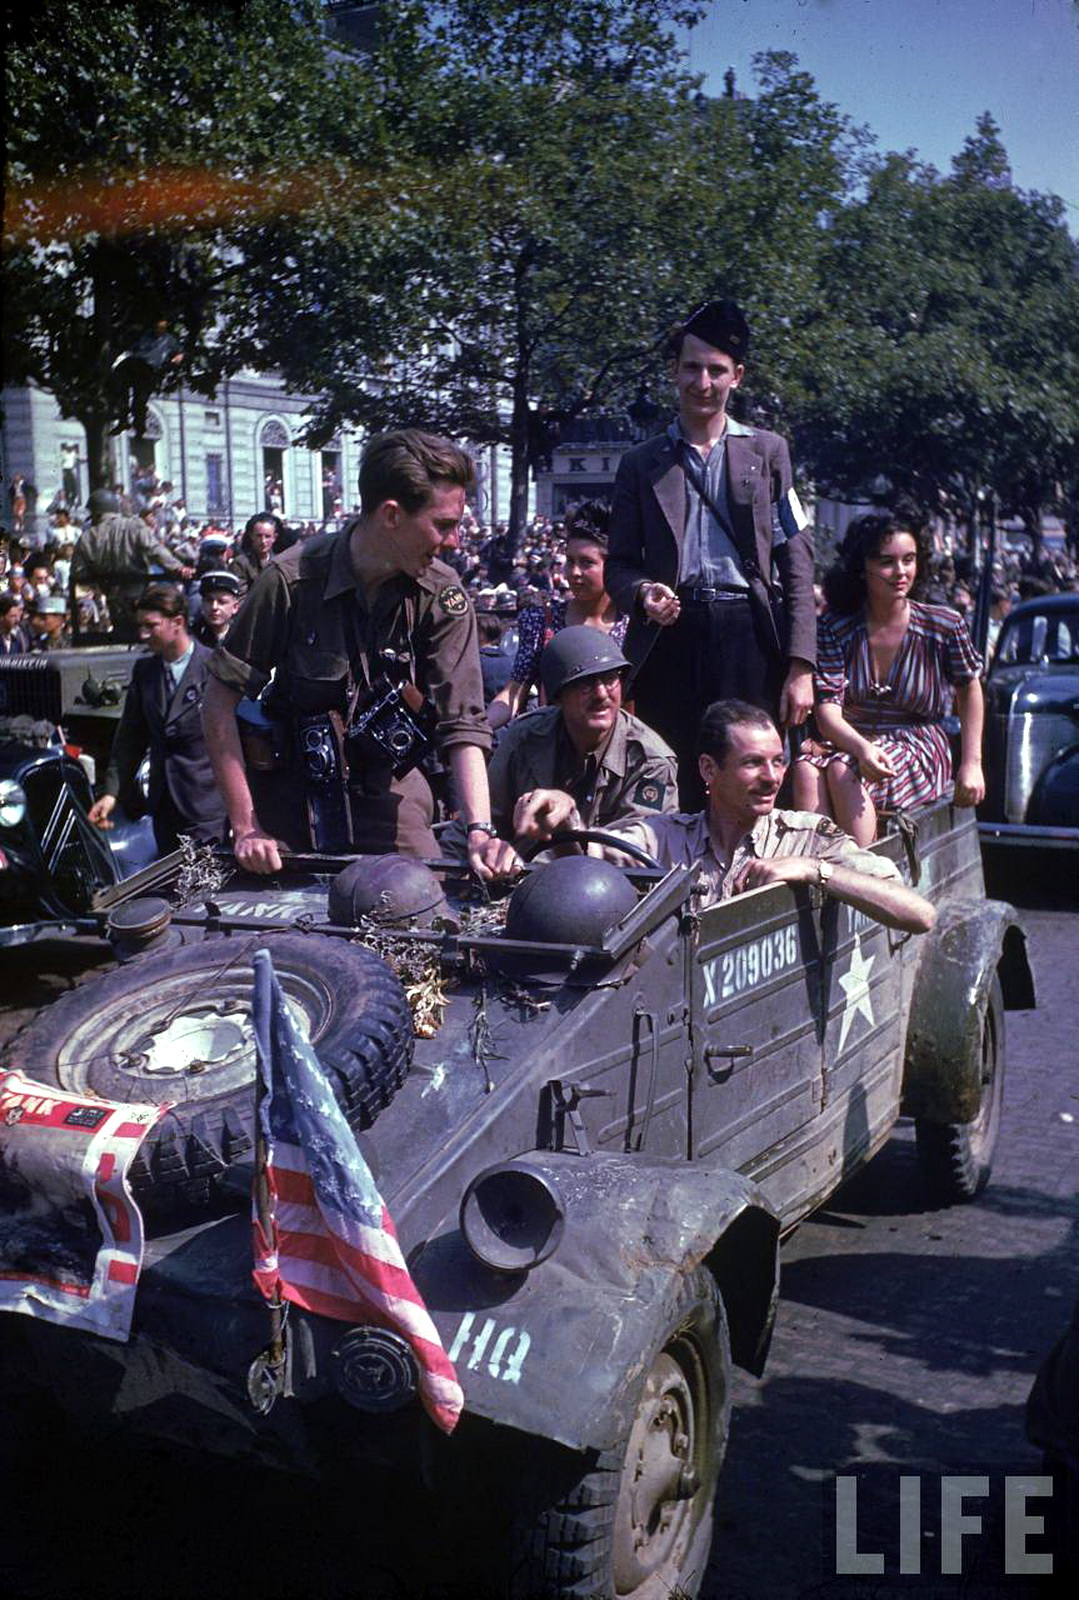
column 177, row 1026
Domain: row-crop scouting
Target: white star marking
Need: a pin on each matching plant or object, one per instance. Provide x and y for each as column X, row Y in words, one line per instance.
column 855, row 985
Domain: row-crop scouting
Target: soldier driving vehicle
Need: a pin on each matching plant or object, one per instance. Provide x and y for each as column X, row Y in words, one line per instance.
column 372, row 648
column 580, row 762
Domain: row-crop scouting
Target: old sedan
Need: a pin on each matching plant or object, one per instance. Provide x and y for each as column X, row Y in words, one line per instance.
column 1032, row 727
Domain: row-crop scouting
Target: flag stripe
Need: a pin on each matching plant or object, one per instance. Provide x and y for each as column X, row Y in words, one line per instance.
column 332, row 1247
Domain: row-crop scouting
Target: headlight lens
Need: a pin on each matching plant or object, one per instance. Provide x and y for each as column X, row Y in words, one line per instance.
column 12, row 803
column 512, row 1217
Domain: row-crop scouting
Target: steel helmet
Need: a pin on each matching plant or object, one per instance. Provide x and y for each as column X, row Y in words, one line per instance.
column 396, row 891
column 577, row 653
column 573, row 900
column 101, row 501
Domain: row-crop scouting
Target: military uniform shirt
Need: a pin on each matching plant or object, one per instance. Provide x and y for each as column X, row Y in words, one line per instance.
column 683, row 840
column 122, row 548
column 633, row 773
column 305, row 619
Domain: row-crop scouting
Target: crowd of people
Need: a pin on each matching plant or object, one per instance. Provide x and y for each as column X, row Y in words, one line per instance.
column 375, row 669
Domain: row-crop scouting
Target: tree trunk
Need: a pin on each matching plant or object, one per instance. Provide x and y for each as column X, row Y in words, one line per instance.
column 519, row 463
column 1032, row 522
column 99, row 455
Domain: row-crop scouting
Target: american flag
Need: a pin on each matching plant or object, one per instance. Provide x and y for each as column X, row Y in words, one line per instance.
column 332, row 1248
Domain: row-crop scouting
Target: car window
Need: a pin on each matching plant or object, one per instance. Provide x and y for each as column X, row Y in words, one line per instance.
column 1039, row 636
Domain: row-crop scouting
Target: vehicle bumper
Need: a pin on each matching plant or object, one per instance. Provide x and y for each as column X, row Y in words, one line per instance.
column 1020, row 834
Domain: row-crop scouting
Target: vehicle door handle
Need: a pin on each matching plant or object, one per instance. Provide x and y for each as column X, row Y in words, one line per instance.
column 720, row 1052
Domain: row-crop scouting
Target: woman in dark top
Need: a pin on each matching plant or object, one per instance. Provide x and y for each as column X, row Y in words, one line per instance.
column 589, row 605
column 888, row 667
column 256, row 547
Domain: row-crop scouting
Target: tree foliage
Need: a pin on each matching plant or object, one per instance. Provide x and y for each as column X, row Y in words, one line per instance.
column 139, row 135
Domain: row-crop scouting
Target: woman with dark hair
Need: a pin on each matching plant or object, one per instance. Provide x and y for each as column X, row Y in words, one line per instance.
column 589, row 605
column 887, row 668
column 257, row 543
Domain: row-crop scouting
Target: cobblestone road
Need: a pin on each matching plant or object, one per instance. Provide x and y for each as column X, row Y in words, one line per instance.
column 907, row 1339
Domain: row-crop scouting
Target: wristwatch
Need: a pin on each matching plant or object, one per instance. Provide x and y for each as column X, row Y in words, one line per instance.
column 483, row 827
column 824, row 873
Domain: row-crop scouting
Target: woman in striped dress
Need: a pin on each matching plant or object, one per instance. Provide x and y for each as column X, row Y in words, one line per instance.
column 887, row 669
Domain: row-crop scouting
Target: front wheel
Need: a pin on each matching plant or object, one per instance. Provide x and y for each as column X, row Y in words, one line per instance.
column 635, row 1522
column 957, row 1157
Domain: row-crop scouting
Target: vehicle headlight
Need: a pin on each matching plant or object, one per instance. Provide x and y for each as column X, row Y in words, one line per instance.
column 512, row 1217
column 12, row 803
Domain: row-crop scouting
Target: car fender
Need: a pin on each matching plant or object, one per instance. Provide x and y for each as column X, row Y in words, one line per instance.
column 560, row 1351
column 1055, row 801
column 973, row 940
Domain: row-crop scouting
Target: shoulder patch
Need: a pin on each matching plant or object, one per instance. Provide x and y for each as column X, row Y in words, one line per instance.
column 452, row 600
column 650, row 793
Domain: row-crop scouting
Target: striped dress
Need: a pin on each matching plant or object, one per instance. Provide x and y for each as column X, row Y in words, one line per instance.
column 904, row 714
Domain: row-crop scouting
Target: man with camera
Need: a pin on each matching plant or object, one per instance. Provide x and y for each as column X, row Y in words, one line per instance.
column 372, row 649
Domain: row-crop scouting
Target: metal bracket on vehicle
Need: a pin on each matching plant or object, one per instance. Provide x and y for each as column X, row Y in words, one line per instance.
column 267, row 1376
column 567, row 1098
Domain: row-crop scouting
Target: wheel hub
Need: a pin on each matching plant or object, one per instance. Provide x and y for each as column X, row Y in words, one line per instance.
column 659, row 1478
column 197, row 1039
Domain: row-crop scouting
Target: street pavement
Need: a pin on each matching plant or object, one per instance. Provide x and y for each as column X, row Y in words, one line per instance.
column 906, row 1342
column 907, row 1338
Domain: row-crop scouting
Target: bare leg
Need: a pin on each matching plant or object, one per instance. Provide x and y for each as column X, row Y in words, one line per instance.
column 810, row 789
column 851, row 805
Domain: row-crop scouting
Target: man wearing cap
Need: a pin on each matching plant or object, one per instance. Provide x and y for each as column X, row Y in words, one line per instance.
column 709, row 553
column 328, row 620
column 220, row 594
column 47, row 623
column 115, row 555
column 581, row 761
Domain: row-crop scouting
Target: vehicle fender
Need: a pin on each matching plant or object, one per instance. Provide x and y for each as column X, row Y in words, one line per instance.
column 973, row 941
column 560, row 1351
column 1055, row 801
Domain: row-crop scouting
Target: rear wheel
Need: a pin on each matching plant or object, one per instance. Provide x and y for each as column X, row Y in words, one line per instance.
column 957, row 1157
column 636, row 1522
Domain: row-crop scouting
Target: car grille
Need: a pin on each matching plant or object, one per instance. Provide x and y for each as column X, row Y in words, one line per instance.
column 30, row 686
column 77, row 860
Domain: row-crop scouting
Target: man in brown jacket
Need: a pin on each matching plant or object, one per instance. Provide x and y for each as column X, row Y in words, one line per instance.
column 710, row 555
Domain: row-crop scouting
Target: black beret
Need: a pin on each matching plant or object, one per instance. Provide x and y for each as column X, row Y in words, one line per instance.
column 721, row 324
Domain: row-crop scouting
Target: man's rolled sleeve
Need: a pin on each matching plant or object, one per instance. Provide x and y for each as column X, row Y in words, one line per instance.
column 845, row 853
column 453, row 680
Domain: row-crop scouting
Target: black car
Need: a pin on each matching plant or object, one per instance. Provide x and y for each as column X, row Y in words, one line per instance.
column 1031, row 745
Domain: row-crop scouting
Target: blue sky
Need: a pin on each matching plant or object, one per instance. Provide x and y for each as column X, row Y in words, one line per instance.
column 920, row 72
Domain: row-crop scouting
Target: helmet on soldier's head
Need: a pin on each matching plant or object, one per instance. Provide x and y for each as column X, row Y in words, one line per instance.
column 576, row 653
column 573, row 900
column 101, row 502
column 395, row 891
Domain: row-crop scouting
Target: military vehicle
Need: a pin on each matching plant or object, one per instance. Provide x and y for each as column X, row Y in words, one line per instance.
column 593, row 1113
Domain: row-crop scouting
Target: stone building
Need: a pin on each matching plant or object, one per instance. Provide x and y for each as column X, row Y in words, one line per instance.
column 221, row 456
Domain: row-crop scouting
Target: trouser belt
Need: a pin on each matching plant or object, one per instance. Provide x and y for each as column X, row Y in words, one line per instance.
column 705, row 594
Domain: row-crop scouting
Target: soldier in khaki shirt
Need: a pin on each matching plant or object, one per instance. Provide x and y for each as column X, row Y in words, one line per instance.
column 319, row 618
column 115, row 555
column 581, row 762
column 741, row 841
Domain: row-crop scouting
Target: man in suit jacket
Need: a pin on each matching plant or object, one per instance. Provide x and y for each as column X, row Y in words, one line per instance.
column 162, row 718
column 710, row 556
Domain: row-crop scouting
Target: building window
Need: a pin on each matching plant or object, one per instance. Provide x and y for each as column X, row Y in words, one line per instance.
column 576, row 464
column 215, row 484
column 213, row 419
